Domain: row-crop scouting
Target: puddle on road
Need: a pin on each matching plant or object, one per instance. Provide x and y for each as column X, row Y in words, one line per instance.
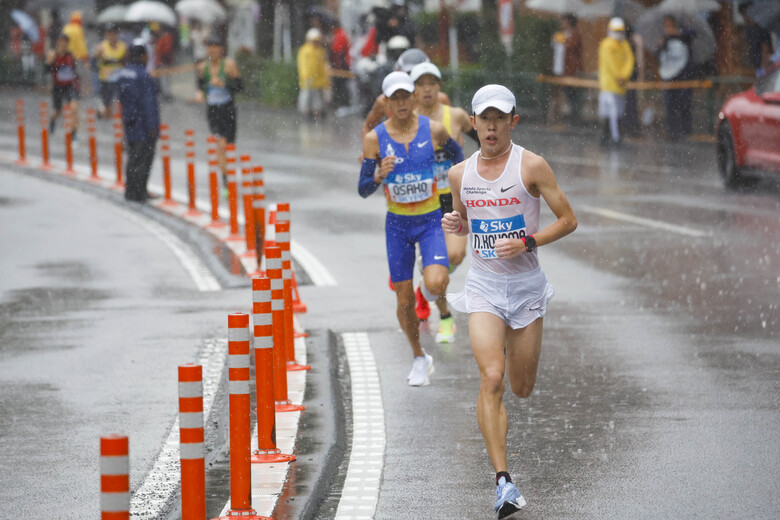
column 28, row 316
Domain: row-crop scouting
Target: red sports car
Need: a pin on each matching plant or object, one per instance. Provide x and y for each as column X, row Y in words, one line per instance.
column 748, row 131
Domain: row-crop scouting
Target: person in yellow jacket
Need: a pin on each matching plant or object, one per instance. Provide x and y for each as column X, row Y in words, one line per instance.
column 313, row 78
column 77, row 46
column 110, row 56
column 616, row 64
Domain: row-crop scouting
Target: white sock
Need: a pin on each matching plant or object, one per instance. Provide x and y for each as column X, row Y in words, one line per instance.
column 427, row 294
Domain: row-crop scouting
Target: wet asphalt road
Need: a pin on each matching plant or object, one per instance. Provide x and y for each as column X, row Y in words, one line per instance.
column 659, row 383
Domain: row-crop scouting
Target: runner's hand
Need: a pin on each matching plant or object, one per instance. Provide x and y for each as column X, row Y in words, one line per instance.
column 451, row 222
column 509, row 247
column 385, row 168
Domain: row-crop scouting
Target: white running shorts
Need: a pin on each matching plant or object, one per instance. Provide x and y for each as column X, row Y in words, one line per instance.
column 517, row 299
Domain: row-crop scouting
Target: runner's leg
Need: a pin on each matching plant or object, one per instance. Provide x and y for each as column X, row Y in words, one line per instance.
column 523, row 347
column 407, row 318
column 488, row 333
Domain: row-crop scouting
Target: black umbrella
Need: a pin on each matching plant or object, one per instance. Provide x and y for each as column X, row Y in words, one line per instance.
column 765, row 13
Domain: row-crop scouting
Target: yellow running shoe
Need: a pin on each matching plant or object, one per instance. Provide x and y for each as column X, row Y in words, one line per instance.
column 446, row 332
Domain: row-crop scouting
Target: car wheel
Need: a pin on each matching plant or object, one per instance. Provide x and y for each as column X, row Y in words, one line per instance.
column 727, row 158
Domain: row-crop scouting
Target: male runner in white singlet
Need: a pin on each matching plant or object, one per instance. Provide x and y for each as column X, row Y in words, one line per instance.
column 496, row 200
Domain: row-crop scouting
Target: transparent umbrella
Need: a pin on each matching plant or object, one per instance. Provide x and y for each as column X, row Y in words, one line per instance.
column 150, row 11
column 26, row 24
column 113, row 14
column 204, row 10
column 628, row 10
column 688, row 6
column 651, row 27
column 556, row 6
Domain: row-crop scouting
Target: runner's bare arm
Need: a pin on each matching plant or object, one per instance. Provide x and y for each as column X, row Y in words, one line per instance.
column 542, row 182
column 444, row 99
column 456, row 222
column 462, row 121
column 375, row 116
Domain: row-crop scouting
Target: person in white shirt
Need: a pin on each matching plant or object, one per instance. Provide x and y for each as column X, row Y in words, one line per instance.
column 497, row 195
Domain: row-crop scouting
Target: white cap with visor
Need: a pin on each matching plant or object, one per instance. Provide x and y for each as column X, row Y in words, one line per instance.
column 426, row 67
column 397, row 81
column 496, row 96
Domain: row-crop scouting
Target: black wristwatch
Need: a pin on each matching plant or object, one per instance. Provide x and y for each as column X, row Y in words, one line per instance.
column 530, row 243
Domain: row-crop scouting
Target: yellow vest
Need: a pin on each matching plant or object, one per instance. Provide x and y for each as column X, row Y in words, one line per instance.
column 115, row 54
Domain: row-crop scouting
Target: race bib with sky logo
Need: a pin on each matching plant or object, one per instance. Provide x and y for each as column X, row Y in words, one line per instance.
column 485, row 233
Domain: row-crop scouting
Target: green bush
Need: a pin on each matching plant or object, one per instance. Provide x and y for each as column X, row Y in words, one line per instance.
column 272, row 83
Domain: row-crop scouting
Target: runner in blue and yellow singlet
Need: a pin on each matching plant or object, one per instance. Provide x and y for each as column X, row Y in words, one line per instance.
column 403, row 148
column 427, row 90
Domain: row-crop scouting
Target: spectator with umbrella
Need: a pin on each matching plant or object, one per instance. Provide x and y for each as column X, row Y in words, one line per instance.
column 674, row 57
column 759, row 41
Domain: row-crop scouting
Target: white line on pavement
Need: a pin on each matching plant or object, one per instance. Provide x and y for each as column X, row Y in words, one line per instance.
column 361, row 487
column 657, row 224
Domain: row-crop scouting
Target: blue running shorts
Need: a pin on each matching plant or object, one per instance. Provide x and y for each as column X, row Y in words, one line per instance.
column 401, row 234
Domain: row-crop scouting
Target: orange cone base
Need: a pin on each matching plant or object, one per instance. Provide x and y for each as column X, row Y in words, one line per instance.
column 235, row 238
column 118, row 186
column 260, row 457
column 69, row 171
column 21, row 162
column 282, row 406
column 248, row 254
column 169, row 203
column 193, row 213
column 292, row 366
column 259, row 273
column 299, row 334
column 95, row 179
column 46, row 166
column 249, row 514
column 299, row 307
column 216, row 224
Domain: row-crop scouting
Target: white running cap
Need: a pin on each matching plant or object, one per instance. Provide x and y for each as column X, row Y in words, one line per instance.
column 496, row 96
column 313, row 34
column 616, row 24
column 424, row 68
column 397, row 81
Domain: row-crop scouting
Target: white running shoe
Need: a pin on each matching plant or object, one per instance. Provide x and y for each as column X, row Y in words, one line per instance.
column 421, row 369
column 509, row 499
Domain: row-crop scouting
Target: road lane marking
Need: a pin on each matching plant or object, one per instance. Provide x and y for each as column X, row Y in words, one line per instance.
column 317, row 272
column 657, row 224
column 364, row 473
column 200, row 274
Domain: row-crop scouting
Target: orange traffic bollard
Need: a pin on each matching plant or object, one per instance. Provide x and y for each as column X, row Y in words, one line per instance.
column 165, row 153
column 114, row 478
column 118, row 145
column 214, row 183
column 258, row 211
column 247, row 188
column 44, row 113
column 193, row 467
column 273, row 267
column 93, row 158
column 232, row 186
column 283, row 213
column 240, row 436
column 69, row 140
column 192, row 209
column 283, row 242
column 262, row 313
column 20, row 131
